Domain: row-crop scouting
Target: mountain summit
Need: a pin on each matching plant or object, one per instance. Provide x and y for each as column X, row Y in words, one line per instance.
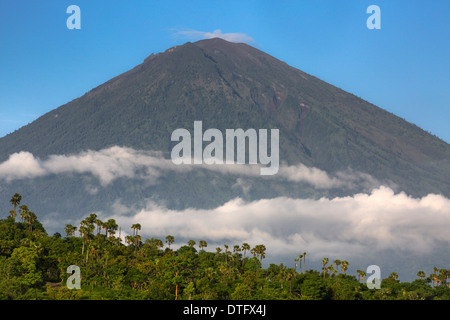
column 226, row 85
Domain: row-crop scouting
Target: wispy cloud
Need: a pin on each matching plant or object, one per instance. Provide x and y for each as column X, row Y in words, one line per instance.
column 119, row 162
column 232, row 37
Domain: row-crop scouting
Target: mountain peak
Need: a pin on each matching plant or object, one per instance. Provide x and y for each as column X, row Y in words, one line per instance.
column 234, row 85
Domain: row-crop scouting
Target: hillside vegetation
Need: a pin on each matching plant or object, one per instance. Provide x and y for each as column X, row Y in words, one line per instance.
column 33, row 265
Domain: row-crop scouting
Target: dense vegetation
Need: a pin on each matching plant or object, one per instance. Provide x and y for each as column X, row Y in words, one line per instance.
column 33, row 265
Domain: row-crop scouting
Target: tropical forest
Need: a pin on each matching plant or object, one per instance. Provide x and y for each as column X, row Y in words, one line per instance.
column 37, row 266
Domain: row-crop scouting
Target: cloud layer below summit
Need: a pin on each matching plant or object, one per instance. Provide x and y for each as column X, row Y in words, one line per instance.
column 352, row 226
column 118, row 162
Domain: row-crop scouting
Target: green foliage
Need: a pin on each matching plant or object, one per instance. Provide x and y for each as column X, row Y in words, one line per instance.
column 33, row 266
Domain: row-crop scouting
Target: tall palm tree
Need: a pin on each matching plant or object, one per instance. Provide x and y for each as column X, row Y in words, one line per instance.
column 226, row 253
column 23, row 211
column 99, row 224
column 359, row 274
column 13, row 214
column 443, row 273
column 434, row 276
column 86, row 230
column 289, row 276
column 300, row 257
column 202, row 244
column 91, row 219
column 345, row 265
column 169, row 240
column 31, row 217
column 83, row 232
column 15, row 201
column 331, row 270
column 363, row 274
column 337, row 263
column 111, row 227
column 136, row 240
column 245, row 247
column 261, row 251
column 136, row 227
column 324, row 263
column 304, row 261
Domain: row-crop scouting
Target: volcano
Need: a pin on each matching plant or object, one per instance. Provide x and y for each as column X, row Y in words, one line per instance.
column 322, row 129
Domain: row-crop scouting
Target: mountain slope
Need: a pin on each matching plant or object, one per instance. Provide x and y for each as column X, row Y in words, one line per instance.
column 228, row 85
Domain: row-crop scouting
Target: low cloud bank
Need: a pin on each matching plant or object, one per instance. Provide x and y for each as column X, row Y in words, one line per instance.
column 353, row 226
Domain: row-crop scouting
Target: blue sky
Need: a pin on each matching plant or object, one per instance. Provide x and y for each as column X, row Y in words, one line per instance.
column 403, row 68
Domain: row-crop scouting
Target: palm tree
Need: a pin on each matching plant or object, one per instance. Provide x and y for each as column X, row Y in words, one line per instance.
column 15, row 201
column 226, row 253
column 345, row 265
column 91, row 219
column 169, row 240
column 129, row 239
column 324, row 263
column 111, row 227
column 31, row 217
column 363, row 274
column 421, row 274
column 337, row 263
column 86, row 229
column 434, row 276
column 23, row 211
column 245, row 247
column 331, row 270
column 260, row 251
column 99, row 224
column 289, row 275
column 191, row 243
column 202, row 244
column 300, row 257
column 393, row 275
column 13, row 214
column 359, row 274
column 70, row 230
column 295, row 264
column 304, row 261
column 443, row 274
column 136, row 227
column 83, row 232
column 136, row 239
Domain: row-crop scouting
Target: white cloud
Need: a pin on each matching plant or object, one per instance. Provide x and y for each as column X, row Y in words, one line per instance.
column 21, row 165
column 348, row 227
column 118, row 162
column 232, row 37
column 107, row 165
